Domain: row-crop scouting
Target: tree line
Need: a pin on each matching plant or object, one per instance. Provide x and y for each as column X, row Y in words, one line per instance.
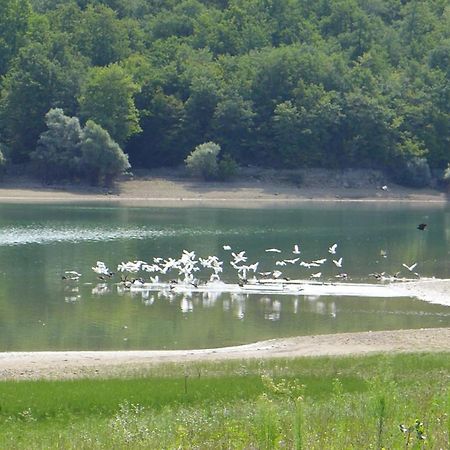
column 281, row 83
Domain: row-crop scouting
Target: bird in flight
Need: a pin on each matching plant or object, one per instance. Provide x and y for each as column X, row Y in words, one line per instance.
column 291, row 261
column 332, row 249
column 422, row 226
column 320, row 261
column 296, row 250
column 338, row 263
column 411, row 267
column 273, row 250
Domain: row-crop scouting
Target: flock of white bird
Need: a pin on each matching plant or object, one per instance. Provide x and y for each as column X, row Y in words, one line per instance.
column 189, row 269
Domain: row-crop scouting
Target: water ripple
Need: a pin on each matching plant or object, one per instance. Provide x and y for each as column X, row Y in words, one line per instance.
column 48, row 235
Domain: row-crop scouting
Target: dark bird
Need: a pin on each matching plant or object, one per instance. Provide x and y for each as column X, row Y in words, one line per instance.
column 421, row 226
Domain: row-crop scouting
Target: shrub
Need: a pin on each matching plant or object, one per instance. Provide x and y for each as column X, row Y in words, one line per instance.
column 102, row 160
column 57, row 156
column 203, row 161
column 2, row 163
column 66, row 151
column 227, row 167
column 413, row 172
column 447, row 174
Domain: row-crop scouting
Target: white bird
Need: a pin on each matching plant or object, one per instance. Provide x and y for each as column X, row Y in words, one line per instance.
column 332, row 249
column 101, row 269
column 291, row 261
column 239, row 257
column 343, row 276
column 316, row 275
column 264, row 274
column 273, row 250
column 187, row 254
column 411, row 267
column 280, row 263
column 320, row 261
column 309, row 265
column 296, row 250
column 338, row 263
column 71, row 275
column 242, row 270
column 277, row 273
column 226, row 247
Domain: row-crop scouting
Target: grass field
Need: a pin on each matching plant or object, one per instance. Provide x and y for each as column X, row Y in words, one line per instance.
column 392, row 402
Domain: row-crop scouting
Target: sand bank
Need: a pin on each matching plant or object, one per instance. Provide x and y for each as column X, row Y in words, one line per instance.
column 250, row 192
column 58, row 365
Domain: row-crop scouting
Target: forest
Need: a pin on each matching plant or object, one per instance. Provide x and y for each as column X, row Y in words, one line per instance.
column 279, row 83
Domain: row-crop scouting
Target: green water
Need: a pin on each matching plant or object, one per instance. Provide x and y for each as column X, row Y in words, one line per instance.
column 40, row 311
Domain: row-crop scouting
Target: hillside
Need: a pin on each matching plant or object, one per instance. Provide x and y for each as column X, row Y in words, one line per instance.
column 283, row 84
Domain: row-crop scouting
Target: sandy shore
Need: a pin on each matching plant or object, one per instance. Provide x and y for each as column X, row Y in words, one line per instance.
column 156, row 190
column 59, row 365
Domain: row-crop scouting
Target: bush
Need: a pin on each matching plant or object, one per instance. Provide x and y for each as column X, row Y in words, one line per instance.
column 66, row 151
column 447, row 174
column 412, row 172
column 57, row 156
column 227, row 167
column 203, row 161
column 2, row 163
column 102, row 160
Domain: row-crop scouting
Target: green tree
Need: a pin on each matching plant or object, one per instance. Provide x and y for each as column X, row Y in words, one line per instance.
column 58, row 155
column 14, row 18
column 101, row 36
column 102, row 159
column 107, row 98
column 42, row 76
column 200, row 107
column 287, row 133
column 162, row 141
column 232, row 126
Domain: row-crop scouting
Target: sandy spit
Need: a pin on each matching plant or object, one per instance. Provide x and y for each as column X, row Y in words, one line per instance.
column 78, row 364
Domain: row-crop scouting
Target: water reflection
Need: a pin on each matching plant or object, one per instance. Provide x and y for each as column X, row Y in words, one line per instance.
column 39, row 243
column 270, row 308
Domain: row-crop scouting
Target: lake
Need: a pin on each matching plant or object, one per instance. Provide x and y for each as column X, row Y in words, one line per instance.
column 41, row 311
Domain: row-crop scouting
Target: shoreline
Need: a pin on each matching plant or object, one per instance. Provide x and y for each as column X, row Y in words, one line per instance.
column 166, row 191
column 102, row 364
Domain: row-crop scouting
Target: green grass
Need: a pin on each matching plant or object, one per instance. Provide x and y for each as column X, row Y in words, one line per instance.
column 342, row 403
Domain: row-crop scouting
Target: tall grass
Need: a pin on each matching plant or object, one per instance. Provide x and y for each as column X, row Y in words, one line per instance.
column 375, row 402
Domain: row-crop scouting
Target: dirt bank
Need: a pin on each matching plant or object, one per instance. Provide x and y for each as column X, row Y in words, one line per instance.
column 59, row 365
column 252, row 189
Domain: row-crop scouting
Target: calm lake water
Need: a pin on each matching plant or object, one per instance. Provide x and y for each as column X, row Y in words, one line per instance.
column 40, row 311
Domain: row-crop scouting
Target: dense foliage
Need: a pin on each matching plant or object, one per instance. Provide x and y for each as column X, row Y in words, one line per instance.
column 66, row 151
column 285, row 83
